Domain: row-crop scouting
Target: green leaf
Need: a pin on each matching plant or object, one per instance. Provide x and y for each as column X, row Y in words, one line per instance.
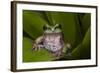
column 33, row 23
column 85, row 21
column 82, row 51
column 50, row 18
column 75, row 27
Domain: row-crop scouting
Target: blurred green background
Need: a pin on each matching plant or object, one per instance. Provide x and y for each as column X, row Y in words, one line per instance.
column 75, row 26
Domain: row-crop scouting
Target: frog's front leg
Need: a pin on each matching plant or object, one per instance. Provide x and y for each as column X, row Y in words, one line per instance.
column 38, row 44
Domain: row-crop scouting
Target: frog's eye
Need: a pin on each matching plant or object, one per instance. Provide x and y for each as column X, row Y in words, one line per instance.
column 45, row 27
column 58, row 26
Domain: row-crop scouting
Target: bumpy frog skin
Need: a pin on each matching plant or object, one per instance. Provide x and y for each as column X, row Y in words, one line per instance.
column 52, row 40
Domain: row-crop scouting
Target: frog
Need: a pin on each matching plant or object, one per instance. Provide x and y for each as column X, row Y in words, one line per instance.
column 52, row 40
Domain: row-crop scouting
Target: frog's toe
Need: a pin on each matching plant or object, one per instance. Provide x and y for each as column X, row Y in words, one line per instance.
column 58, row 54
column 34, row 49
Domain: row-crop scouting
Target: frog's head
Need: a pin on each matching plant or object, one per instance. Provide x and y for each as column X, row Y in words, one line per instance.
column 52, row 29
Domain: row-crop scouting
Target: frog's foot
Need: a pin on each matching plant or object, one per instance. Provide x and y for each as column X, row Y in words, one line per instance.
column 58, row 54
column 34, row 47
column 37, row 47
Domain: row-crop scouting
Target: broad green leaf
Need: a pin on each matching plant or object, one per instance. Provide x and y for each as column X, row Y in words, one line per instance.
column 33, row 23
column 50, row 18
column 82, row 51
column 75, row 27
column 45, row 16
column 86, row 45
column 85, row 21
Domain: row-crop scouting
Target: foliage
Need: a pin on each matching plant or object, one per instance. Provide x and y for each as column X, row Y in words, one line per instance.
column 75, row 27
